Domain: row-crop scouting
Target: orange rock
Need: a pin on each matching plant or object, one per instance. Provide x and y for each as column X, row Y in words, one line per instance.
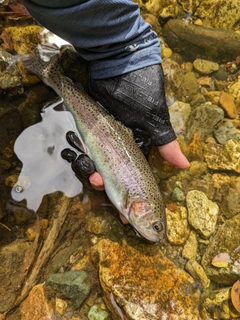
column 141, row 283
column 226, row 101
column 36, row 306
column 235, row 295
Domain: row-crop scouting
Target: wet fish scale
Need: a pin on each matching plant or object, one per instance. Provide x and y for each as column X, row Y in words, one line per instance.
column 127, row 176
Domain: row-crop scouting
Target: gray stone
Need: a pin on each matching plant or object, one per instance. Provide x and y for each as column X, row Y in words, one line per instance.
column 225, row 132
column 203, row 120
column 74, row 285
column 193, row 41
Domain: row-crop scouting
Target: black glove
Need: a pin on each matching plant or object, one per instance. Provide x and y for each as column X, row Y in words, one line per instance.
column 81, row 164
column 137, row 99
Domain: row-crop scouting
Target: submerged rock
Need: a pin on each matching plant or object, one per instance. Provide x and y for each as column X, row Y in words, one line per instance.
column 74, row 285
column 202, row 213
column 36, row 306
column 132, row 280
column 225, row 240
column 193, row 41
column 218, row 303
column 205, row 66
column 13, row 259
column 179, row 114
column 219, row 14
column 203, row 120
column 219, row 157
column 226, row 132
column 177, row 225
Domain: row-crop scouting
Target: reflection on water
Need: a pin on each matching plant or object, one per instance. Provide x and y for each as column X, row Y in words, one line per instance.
column 39, row 148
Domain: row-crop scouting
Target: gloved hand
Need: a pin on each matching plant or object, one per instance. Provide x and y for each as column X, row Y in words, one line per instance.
column 137, row 99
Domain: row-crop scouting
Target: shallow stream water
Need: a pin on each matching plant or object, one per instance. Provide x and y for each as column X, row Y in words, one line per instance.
column 66, row 227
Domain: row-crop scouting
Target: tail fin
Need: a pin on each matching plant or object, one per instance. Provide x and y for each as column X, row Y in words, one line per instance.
column 45, row 55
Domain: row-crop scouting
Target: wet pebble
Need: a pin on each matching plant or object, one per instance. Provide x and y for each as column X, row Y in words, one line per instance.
column 177, row 225
column 202, row 213
column 223, row 157
column 226, row 132
column 178, row 194
column 190, row 247
column 226, row 101
column 36, row 306
column 96, row 313
column 74, row 285
column 219, row 305
column 197, row 272
column 205, row 66
column 179, row 114
column 203, row 120
column 225, row 240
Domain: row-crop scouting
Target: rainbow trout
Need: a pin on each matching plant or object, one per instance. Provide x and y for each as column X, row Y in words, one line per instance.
column 128, row 180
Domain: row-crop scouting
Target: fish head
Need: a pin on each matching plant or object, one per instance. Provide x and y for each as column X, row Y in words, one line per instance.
column 148, row 218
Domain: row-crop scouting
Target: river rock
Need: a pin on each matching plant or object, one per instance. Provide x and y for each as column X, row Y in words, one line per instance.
column 202, row 213
column 36, row 306
column 190, row 248
column 193, row 41
column 225, row 132
column 179, row 114
column 74, row 285
column 219, row 305
column 197, row 272
column 234, row 90
column 226, row 101
column 177, row 225
column 205, row 66
column 213, row 96
column 189, row 87
column 96, row 313
column 219, row 14
column 225, row 240
column 14, row 260
column 223, row 157
column 230, row 204
column 132, row 280
column 203, row 120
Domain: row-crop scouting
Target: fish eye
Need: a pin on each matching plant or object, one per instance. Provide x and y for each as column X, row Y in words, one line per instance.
column 158, row 226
